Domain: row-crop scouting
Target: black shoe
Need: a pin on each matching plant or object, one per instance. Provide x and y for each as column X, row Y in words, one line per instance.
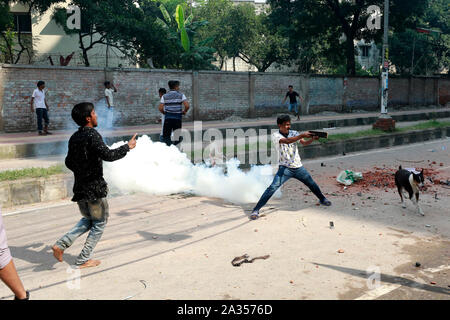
column 41, row 133
column 47, row 132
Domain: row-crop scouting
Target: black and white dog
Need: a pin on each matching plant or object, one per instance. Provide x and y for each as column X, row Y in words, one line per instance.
column 410, row 181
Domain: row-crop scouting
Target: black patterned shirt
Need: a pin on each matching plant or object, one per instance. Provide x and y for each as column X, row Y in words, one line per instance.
column 85, row 157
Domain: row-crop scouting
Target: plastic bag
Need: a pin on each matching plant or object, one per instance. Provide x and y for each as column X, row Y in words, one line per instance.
column 348, row 177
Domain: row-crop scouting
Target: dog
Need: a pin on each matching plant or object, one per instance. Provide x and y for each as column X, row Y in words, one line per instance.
column 411, row 182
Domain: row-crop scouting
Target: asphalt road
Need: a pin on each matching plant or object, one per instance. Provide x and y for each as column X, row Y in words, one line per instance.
column 181, row 247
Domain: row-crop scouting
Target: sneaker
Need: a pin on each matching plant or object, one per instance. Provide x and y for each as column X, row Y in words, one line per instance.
column 325, row 202
column 48, row 132
column 41, row 133
column 254, row 215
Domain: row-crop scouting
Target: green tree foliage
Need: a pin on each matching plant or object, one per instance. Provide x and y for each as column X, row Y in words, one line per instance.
column 13, row 45
column 320, row 24
column 106, row 22
column 179, row 46
column 424, row 54
column 266, row 45
column 237, row 31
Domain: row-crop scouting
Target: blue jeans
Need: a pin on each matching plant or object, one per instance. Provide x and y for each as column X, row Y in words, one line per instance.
column 283, row 175
column 95, row 216
column 293, row 106
column 42, row 113
column 109, row 117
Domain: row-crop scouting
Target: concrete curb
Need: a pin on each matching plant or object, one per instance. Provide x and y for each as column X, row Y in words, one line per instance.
column 29, row 191
column 373, row 142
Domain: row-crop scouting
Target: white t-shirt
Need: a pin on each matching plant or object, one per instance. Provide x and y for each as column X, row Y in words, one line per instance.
column 109, row 94
column 39, row 99
column 288, row 153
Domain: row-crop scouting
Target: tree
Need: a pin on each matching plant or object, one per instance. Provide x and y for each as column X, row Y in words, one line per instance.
column 266, row 46
column 415, row 52
column 180, row 46
column 13, row 44
column 328, row 20
column 105, row 22
column 216, row 12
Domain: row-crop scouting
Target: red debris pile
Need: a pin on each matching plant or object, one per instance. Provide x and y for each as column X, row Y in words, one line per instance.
column 384, row 178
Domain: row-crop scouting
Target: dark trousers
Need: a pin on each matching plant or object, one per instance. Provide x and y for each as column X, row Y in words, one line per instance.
column 42, row 114
column 170, row 125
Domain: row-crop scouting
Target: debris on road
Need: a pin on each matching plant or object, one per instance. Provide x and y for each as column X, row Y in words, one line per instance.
column 418, row 264
column 340, row 251
column 145, row 287
column 236, row 262
column 331, row 225
column 349, row 177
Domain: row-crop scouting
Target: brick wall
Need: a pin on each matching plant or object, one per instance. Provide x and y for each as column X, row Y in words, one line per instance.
column 213, row 95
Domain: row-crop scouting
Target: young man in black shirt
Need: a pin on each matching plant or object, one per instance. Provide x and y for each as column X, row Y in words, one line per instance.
column 293, row 105
column 86, row 153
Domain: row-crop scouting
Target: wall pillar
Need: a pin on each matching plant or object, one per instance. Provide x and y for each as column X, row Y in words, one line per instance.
column 195, row 97
column 251, row 95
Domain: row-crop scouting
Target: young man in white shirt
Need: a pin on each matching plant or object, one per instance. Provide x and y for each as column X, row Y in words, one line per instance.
column 39, row 103
column 109, row 90
column 290, row 164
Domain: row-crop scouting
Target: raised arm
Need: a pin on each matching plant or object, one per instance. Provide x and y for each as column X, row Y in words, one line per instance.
column 186, row 106
column 296, row 138
column 106, row 154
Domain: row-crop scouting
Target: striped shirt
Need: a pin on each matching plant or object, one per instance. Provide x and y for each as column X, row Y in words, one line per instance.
column 173, row 104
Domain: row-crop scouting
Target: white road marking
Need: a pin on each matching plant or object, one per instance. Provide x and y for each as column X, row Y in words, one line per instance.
column 378, row 292
column 434, row 270
column 36, row 209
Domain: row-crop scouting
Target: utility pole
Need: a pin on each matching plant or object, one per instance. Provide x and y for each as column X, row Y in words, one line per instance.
column 385, row 122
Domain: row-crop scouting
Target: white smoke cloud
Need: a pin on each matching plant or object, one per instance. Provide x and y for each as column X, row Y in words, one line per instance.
column 154, row 168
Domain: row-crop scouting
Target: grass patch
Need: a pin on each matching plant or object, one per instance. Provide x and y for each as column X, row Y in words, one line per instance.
column 11, row 175
column 374, row 132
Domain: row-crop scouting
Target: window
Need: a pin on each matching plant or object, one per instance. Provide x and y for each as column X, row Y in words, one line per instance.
column 22, row 22
column 365, row 51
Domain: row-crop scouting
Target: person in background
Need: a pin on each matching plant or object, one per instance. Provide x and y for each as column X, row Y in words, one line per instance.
column 172, row 107
column 39, row 103
column 293, row 104
column 110, row 89
column 8, row 272
column 162, row 91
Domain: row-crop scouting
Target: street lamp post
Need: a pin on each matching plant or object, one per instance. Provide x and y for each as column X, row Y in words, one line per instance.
column 385, row 122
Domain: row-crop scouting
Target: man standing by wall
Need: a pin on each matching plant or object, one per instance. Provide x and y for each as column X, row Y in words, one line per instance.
column 39, row 103
column 109, row 90
column 85, row 157
column 172, row 107
column 293, row 104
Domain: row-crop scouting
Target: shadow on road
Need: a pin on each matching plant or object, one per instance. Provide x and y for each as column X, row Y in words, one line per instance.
column 42, row 259
column 389, row 279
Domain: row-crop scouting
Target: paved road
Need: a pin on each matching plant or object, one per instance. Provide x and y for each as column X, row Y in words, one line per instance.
column 180, row 247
